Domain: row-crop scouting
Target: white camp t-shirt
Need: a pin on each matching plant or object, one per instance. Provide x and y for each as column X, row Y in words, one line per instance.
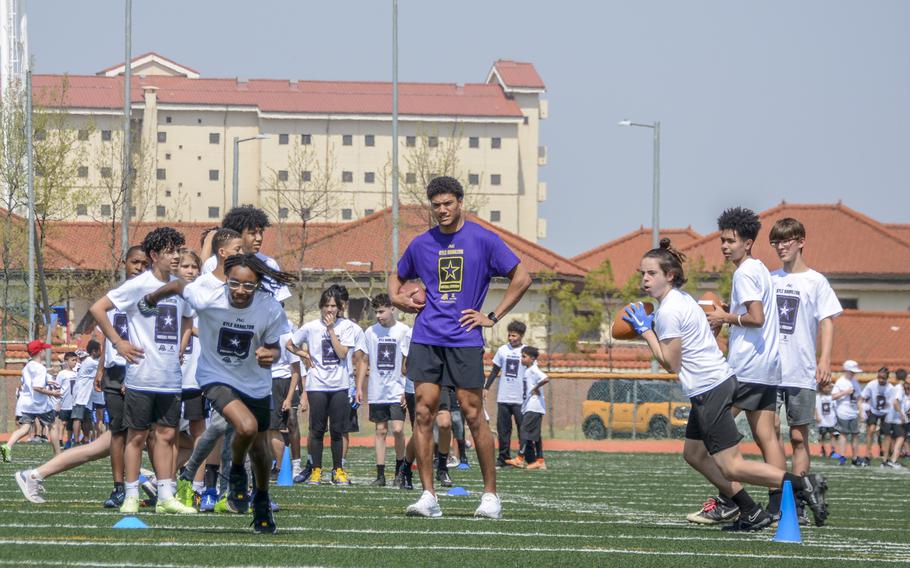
column 512, row 375
column 280, row 291
column 158, row 336
column 67, row 381
column 384, row 348
column 360, row 344
column 846, row 407
column 824, row 406
column 405, row 349
column 329, row 372
column 190, row 362
column 281, row 368
column 97, row 399
column 534, row 402
column 121, row 325
column 878, row 396
column 34, row 374
column 895, row 416
column 229, row 337
column 85, row 381
column 703, row 366
column 754, row 351
column 803, row 299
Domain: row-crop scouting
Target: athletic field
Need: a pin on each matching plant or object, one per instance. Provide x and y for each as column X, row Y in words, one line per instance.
column 590, row 509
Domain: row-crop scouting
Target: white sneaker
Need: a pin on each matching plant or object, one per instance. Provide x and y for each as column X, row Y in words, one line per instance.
column 426, row 506
column 490, row 507
column 452, row 461
column 31, row 487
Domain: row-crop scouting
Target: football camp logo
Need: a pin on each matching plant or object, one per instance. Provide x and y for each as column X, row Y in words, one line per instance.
column 329, row 357
column 787, row 310
column 451, row 273
column 122, row 326
column 234, row 343
column 166, row 324
column 512, row 368
column 385, row 357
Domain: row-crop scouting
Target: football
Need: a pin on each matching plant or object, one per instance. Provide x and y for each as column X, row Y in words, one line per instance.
column 710, row 301
column 415, row 290
column 621, row 329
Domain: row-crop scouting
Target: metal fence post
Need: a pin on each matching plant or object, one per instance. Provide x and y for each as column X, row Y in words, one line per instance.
column 634, row 409
column 610, row 417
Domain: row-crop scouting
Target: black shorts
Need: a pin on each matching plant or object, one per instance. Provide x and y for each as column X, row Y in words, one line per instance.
column 448, row 400
column 81, row 412
column 222, row 395
column 412, row 407
column 112, row 379
column 755, row 396
column 383, row 412
column 875, row 419
column 144, row 408
column 530, row 426
column 457, row 367
column 114, row 402
column 894, row 430
column 66, row 416
column 710, row 418
column 353, row 423
column 279, row 420
column 46, row 418
column 193, row 405
column 825, row 430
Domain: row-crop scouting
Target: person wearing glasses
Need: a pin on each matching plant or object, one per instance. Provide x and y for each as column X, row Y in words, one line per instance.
column 239, row 332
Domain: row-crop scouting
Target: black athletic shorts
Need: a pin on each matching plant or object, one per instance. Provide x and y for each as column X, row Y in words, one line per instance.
column 352, row 424
column 448, row 400
column 193, row 405
column 384, row 412
column 711, row 419
column 279, row 419
column 458, row 367
column 875, row 419
column 755, row 396
column 894, row 430
column 66, row 416
column 412, row 407
column 530, row 426
column 115, row 402
column 825, row 430
column 144, row 408
column 112, row 379
column 222, row 395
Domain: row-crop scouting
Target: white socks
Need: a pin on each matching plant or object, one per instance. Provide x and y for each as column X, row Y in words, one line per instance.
column 132, row 489
column 165, row 490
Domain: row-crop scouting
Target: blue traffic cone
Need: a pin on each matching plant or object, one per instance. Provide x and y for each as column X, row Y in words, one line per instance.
column 788, row 526
column 130, row 522
column 286, row 473
column 458, row 492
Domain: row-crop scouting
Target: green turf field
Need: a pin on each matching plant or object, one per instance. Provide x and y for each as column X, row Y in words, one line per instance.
column 588, row 510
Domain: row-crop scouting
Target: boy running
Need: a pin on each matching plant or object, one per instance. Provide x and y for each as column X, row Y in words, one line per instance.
column 510, row 394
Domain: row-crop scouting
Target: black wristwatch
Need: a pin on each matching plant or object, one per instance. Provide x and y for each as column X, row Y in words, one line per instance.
column 493, row 318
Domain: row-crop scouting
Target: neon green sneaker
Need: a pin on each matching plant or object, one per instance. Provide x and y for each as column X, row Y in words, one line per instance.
column 6, row 453
column 173, row 505
column 130, row 506
column 221, row 505
column 185, row 492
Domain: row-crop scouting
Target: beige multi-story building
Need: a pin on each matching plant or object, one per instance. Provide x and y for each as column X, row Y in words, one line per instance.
column 320, row 149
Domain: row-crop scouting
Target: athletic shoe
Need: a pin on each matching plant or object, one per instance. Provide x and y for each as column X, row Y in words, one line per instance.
column 31, row 487
column 452, row 461
column 442, row 476
column 273, row 474
column 238, row 500
column 897, row 465
column 6, row 453
column 539, row 464
column 174, row 506
column 867, row 462
column 115, row 500
column 812, row 495
column 221, row 505
column 426, row 506
column 380, row 481
column 295, row 469
column 758, row 520
column 208, row 500
column 715, row 510
column 490, row 507
column 130, row 506
column 185, row 492
column 517, row 461
column 340, row 477
column 397, row 481
column 315, row 476
column 501, row 463
column 842, row 460
column 304, row 474
column 802, row 517
column 834, row 456
column 263, row 522
column 407, row 478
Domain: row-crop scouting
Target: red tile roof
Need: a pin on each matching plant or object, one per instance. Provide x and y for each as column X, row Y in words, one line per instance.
column 873, row 339
column 517, row 74
column 625, row 252
column 840, row 242
column 902, row 230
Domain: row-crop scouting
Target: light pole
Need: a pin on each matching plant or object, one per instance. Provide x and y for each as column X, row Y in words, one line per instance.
column 655, row 198
column 235, row 183
column 395, row 211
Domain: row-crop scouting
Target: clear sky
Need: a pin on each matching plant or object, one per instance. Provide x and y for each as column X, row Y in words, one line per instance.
column 759, row 101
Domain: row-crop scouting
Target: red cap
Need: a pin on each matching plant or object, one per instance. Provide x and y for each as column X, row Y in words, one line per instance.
column 37, row 346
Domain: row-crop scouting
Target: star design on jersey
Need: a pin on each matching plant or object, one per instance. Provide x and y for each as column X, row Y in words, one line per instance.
column 451, row 269
column 385, row 358
column 122, row 329
column 168, row 321
column 235, row 342
column 785, row 310
column 511, row 368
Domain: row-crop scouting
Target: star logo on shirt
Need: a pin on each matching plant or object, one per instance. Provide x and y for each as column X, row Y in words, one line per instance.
column 385, row 357
column 234, row 343
column 451, row 270
column 166, row 324
column 168, row 321
column 450, row 273
column 785, row 310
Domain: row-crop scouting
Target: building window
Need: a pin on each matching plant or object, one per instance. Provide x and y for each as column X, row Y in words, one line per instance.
column 214, row 138
column 433, row 141
column 40, row 134
column 82, row 135
column 161, row 174
column 167, row 119
column 167, row 156
column 83, row 171
column 306, row 139
column 105, row 210
column 473, row 142
column 367, row 212
column 496, row 143
column 525, row 119
column 160, row 211
column 495, row 216
column 106, row 172
column 306, row 175
column 473, row 179
column 849, row 303
column 347, row 140
column 369, row 140
column 213, row 175
column 214, row 212
column 81, row 209
column 282, row 175
column 162, row 137
column 369, row 177
column 167, row 192
column 306, row 214
column 283, row 139
column 347, row 177
column 495, row 179
column 283, row 212
column 410, row 141
column 198, row 121
column 410, row 177
column 346, row 214
column 105, row 135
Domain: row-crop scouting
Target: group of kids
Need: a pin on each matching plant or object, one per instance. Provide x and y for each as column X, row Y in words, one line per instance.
column 199, row 367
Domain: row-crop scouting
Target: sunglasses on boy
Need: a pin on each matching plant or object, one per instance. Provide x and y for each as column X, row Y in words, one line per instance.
column 236, row 285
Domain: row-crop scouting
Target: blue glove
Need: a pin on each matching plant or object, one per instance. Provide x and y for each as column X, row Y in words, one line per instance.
column 640, row 320
column 147, row 309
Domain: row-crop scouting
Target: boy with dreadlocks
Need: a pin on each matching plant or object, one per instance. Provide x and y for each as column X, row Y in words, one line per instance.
column 239, row 333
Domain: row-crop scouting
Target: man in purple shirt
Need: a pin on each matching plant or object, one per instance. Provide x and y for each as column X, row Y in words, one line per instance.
column 456, row 261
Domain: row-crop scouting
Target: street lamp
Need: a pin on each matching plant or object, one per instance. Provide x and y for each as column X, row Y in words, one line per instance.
column 235, row 193
column 655, row 200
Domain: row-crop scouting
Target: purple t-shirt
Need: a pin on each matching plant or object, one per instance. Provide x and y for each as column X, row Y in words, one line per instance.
column 456, row 270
